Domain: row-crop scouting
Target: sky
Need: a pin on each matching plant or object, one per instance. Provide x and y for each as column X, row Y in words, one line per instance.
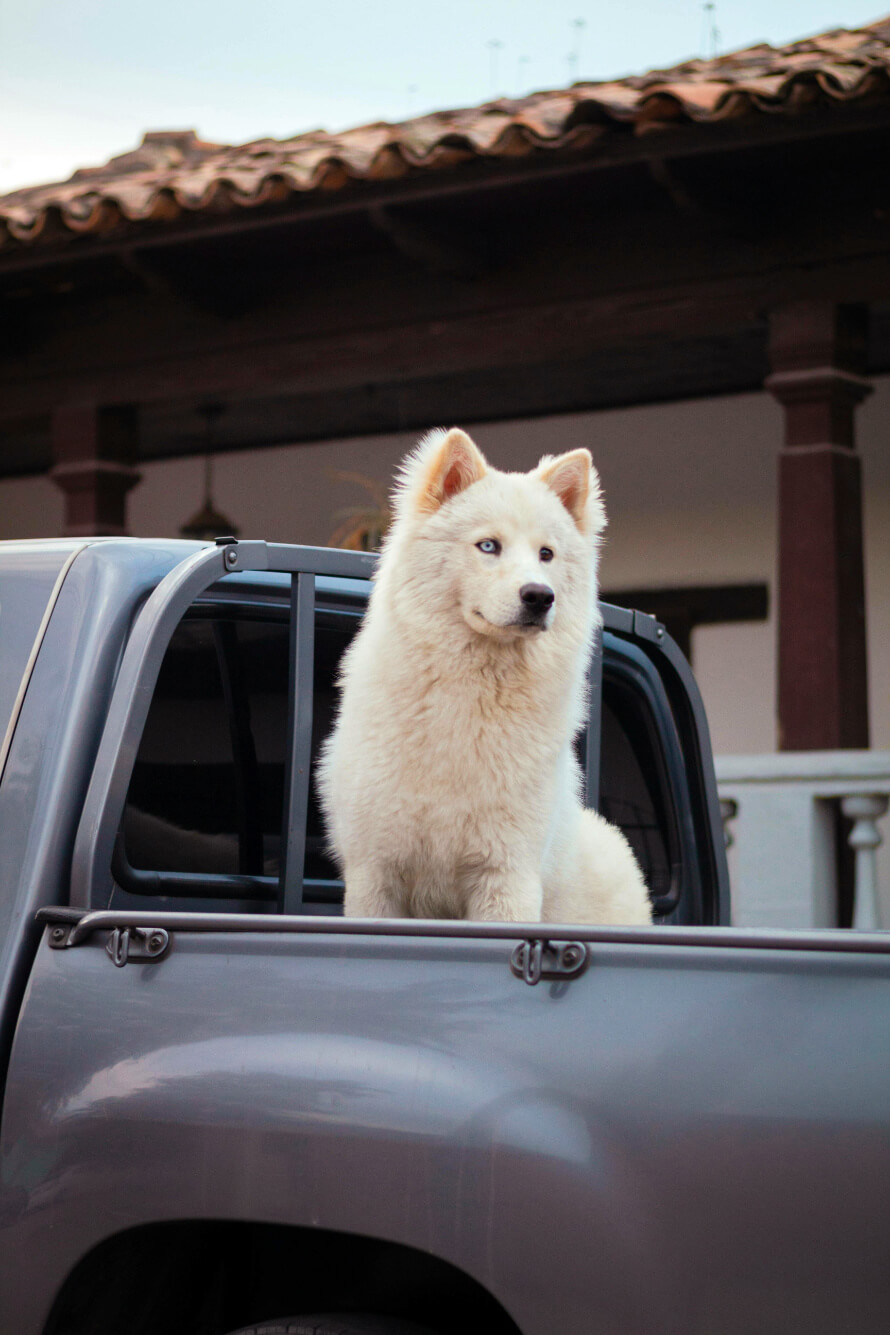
column 82, row 80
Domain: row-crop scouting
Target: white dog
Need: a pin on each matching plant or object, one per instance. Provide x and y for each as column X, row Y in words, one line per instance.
column 449, row 782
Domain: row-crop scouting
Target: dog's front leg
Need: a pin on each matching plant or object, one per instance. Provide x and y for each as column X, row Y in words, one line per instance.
column 371, row 893
column 499, row 896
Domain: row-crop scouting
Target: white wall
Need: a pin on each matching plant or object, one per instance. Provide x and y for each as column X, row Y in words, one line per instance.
column 30, row 507
column 691, row 494
column 690, row 490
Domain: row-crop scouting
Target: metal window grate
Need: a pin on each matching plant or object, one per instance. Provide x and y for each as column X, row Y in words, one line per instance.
column 97, row 835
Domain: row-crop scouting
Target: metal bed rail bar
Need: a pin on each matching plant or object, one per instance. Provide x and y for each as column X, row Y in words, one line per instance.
column 83, row 924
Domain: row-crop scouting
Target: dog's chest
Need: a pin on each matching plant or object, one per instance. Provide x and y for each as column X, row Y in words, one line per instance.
column 425, row 747
column 445, row 808
column 448, row 747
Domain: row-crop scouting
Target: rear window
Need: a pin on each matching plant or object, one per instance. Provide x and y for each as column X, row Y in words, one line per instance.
column 207, row 788
column 205, row 804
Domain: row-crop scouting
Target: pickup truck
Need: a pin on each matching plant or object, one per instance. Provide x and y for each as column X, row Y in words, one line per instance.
column 226, row 1107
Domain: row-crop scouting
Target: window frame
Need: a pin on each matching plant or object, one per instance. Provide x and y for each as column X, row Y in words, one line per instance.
column 626, row 666
column 324, row 581
column 92, row 880
column 244, row 885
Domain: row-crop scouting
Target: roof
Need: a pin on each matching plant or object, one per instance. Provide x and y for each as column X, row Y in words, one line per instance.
column 173, row 173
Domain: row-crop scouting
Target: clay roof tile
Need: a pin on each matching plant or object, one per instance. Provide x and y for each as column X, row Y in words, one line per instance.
column 173, row 171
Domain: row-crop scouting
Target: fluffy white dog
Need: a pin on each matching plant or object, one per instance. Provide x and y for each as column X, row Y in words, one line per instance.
column 449, row 782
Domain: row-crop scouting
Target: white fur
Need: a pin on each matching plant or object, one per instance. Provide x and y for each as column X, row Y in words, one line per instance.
column 449, row 783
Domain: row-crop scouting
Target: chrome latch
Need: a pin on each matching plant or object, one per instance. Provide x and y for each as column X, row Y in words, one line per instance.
column 536, row 959
column 136, row 943
column 123, row 944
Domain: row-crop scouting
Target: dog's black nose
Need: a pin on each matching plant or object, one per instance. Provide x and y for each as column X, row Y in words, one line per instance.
column 537, row 597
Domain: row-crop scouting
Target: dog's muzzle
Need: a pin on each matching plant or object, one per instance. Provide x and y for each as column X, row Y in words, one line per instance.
column 537, row 600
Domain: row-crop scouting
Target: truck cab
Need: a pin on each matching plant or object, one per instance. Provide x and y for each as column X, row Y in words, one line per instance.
column 213, row 1077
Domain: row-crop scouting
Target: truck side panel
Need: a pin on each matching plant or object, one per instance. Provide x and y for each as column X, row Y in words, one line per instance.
column 52, row 750
column 682, row 1141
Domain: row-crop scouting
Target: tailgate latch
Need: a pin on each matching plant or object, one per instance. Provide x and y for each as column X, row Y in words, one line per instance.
column 136, row 943
column 536, row 959
column 123, row 944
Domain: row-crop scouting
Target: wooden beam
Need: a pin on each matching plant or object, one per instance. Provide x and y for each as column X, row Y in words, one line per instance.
column 816, row 351
column 430, row 247
column 93, row 449
column 611, row 378
column 243, row 362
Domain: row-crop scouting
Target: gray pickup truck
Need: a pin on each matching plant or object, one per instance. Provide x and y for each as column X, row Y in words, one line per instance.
column 225, row 1107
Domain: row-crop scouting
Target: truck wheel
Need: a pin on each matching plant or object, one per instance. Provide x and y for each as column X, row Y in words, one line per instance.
column 330, row 1323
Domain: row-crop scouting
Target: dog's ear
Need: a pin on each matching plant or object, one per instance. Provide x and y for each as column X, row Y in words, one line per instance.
column 573, row 478
column 454, row 463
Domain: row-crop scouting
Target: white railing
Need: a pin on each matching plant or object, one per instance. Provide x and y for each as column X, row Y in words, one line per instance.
column 780, row 821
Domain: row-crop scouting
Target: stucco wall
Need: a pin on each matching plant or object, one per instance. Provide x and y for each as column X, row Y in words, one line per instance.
column 690, row 490
column 30, row 507
column 691, row 494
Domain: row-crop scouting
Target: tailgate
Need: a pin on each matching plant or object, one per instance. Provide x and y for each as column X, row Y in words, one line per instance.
column 688, row 1135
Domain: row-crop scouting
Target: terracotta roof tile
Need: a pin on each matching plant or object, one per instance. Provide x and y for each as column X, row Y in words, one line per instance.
column 174, row 171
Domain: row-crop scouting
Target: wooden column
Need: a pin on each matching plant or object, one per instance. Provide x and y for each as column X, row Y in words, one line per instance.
column 817, row 354
column 94, row 449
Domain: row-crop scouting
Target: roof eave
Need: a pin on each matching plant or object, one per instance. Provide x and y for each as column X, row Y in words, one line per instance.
column 617, row 146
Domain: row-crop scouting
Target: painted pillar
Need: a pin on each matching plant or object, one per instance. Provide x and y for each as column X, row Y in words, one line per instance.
column 94, row 449
column 817, row 354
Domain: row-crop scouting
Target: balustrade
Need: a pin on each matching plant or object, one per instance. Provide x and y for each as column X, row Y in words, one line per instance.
column 779, row 814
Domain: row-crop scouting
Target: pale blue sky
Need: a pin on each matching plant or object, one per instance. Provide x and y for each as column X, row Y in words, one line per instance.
column 81, row 80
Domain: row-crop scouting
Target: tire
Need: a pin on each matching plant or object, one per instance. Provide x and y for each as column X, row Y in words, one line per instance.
column 331, row 1323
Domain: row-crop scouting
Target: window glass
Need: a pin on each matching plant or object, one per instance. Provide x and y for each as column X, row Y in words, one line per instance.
column 629, row 794
column 181, row 807
column 207, row 790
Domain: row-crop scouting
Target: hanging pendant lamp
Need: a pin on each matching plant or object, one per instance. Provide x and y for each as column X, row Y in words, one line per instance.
column 208, row 523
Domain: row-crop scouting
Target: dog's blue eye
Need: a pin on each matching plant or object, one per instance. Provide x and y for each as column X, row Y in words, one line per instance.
column 545, row 554
column 490, row 546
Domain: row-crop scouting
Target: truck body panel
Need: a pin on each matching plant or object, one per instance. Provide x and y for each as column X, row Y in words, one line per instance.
column 689, row 1137
column 684, row 1139
column 61, row 717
